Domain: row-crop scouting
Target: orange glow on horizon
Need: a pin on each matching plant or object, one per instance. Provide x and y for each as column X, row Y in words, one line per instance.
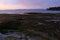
column 5, row 6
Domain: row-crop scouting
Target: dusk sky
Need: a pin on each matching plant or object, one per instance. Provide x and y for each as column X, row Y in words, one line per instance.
column 28, row 4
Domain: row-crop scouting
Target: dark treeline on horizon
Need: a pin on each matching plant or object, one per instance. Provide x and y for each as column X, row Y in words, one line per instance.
column 53, row 8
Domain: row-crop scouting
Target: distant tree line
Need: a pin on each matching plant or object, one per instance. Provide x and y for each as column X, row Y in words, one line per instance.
column 53, row 8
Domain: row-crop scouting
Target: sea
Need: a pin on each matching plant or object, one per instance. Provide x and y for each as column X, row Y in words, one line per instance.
column 22, row 11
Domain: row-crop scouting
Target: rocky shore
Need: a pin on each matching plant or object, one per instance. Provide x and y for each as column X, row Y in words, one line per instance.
column 36, row 25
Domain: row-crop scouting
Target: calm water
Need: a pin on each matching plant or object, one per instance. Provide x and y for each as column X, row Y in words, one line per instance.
column 18, row 35
column 21, row 11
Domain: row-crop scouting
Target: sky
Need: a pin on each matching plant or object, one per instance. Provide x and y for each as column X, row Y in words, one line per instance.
column 28, row 4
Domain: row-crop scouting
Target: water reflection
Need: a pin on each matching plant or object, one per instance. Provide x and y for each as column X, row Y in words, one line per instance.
column 15, row 36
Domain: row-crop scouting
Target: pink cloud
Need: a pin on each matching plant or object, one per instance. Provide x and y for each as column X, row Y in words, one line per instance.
column 30, row 4
column 5, row 6
column 21, row 4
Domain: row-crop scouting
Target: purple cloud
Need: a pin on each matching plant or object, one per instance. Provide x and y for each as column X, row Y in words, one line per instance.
column 28, row 4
